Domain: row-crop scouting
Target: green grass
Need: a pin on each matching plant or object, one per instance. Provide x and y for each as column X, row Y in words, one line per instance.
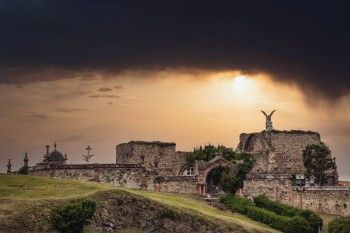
column 19, row 192
column 35, row 188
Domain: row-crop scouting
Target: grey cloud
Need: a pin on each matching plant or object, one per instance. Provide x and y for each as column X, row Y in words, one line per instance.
column 39, row 115
column 70, row 110
column 104, row 96
column 105, row 89
column 118, row 87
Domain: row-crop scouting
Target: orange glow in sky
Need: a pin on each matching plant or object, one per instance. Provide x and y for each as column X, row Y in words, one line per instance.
column 190, row 109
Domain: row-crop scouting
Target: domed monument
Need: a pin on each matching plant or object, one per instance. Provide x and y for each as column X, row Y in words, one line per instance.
column 51, row 158
column 54, row 157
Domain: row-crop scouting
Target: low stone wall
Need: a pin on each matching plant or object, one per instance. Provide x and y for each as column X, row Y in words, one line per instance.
column 177, row 184
column 278, row 189
column 121, row 176
column 326, row 200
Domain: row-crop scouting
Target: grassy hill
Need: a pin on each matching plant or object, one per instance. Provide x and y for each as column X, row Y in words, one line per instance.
column 28, row 200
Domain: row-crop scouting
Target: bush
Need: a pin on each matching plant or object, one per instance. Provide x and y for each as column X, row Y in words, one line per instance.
column 23, row 170
column 339, row 225
column 297, row 225
column 71, row 218
column 282, row 209
column 283, row 223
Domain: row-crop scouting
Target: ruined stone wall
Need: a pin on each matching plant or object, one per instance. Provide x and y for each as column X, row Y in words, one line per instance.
column 128, row 177
column 335, row 202
column 152, row 155
column 278, row 152
column 288, row 149
column 332, row 200
column 261, row 163
column 277, row 188
column 122, row 175
column 178, row 184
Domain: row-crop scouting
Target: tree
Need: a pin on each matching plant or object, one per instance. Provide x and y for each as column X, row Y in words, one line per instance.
column 318, row 160
column 228, row 181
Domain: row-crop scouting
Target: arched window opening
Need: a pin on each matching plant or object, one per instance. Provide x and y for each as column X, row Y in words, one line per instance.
column 189, row 171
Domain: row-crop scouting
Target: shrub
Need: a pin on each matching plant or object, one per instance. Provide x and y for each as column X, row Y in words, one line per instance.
column 23, row 170
column 283, row 223
column 297, row 225
column 312, row 218
column 339, row 225
column 282, row 209
column 71, row 218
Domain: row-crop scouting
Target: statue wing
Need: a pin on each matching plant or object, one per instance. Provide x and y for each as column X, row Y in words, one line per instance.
column 272, row 112
column 263, row 113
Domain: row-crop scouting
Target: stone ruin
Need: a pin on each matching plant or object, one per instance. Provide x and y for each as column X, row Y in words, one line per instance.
column 157, row 166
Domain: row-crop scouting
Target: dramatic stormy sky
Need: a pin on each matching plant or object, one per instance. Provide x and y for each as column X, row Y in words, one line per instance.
column 105, row 72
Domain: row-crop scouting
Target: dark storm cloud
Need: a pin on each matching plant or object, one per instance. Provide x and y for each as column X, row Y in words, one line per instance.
column 301, row 42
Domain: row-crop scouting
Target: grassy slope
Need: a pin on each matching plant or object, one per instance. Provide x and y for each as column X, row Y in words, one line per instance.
column 35, row 188
column 18, row 192
column 199, row 205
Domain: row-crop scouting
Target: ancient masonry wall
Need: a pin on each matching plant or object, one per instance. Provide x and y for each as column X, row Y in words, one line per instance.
column 278, row 152
column 122, row 175
column 128, row 176
column 288, row 149
column 327, row 200
column 158, row 156
column 177, row 184
column 278, row 188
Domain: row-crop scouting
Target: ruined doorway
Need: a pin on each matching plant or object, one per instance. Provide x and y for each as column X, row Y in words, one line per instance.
column 213, row 180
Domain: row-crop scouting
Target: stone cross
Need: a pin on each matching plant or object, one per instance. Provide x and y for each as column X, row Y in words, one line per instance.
column 268, row 120
column 88, row 156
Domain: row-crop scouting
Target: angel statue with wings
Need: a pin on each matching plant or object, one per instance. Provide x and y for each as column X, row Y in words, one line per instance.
column 268, row 120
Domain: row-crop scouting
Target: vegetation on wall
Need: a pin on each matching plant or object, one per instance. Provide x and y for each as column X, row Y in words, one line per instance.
column 318, row 160
column 339, row 225
column 295, row 224
column 228, row 181
column 71, row 217
column 311, row 217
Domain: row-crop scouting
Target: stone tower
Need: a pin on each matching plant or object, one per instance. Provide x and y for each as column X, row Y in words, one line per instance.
column 9, row 165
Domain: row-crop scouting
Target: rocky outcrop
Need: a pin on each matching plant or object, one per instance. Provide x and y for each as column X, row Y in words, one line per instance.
column 117, row 211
